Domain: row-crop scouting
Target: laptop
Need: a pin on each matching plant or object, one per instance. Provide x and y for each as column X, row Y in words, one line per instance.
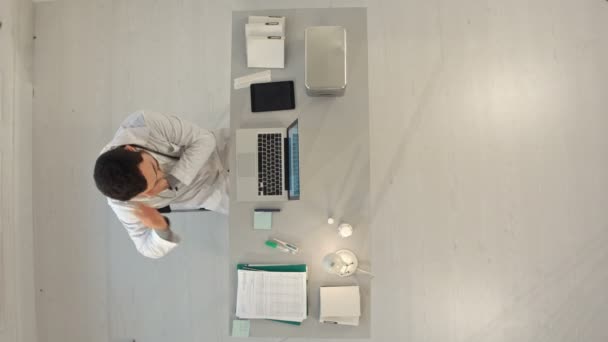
column 268, row 164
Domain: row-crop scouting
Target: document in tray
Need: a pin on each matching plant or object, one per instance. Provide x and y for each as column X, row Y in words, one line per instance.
column 259, row 19
column 271, row 295
column 265, row 37
column 265, row 30
column 266, row 52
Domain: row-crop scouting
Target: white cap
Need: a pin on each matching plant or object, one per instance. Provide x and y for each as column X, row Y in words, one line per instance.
column 330, row 220
column 345, row 230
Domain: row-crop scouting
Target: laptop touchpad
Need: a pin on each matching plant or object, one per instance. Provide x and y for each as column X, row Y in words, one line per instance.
column 246, row 164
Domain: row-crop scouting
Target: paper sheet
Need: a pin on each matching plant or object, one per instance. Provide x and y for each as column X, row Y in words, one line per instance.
column 262, row 220
column 271, row 295
column 240, row 328
column 258, row 77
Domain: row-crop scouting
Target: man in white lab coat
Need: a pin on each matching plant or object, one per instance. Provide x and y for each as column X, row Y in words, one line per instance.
column 156, row 160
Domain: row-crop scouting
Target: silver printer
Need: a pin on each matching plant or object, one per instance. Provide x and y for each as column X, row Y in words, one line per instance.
column 325, row 60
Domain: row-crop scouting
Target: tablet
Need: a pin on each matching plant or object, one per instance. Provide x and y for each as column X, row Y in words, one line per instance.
column 272, row 96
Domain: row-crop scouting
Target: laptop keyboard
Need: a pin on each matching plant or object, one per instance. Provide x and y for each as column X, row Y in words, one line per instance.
column 270, row 157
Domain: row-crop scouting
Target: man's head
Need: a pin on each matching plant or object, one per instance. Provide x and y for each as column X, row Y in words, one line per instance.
column 124, row 173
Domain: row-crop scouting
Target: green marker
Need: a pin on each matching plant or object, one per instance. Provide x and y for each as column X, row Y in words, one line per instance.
column 282, row 246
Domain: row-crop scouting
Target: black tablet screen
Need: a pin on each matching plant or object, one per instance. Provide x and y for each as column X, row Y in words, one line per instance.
column 266, row 97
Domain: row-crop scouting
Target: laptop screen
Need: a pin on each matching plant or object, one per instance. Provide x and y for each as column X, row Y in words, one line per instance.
column 293, row 143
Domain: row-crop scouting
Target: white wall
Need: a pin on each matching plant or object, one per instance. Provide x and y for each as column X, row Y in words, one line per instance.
column 17, row 317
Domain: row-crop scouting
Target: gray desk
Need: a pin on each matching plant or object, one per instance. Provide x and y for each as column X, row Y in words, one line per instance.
column 334, row 158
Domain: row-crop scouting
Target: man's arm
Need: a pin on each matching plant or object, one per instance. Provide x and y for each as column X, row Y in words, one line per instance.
column 197, row 144
column 150, row 242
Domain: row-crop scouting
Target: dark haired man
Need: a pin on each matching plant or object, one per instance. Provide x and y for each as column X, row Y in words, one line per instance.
column 155, row 160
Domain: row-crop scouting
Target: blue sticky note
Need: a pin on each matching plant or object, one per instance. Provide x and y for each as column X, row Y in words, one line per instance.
column 240, row 328
column 262, row 220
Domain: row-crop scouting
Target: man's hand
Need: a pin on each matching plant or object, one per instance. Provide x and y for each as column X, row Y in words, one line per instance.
column 151, row 218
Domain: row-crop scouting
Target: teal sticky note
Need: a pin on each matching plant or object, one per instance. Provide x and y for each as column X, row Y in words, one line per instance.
column 262, row 220
column 240, row 328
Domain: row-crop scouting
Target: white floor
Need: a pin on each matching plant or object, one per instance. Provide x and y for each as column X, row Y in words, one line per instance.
column 489, row 168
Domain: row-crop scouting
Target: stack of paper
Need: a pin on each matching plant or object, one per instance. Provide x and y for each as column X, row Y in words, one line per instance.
column 340, row 305
column 265, row 42
column 271, row 295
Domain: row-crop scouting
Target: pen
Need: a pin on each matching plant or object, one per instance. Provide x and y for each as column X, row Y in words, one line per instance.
column 250, row 269
column 289, row 246
column 282, row 246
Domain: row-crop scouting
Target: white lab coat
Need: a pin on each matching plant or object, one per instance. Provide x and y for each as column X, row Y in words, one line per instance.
column 195, row 157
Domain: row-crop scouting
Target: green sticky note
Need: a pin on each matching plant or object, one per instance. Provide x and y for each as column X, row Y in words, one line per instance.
column 240, row 328
column 262, row 220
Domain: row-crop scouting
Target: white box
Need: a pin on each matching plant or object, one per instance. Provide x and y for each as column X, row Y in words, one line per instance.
column 266, row 52
column 340, row 305
column 267, row 19
column 260, row 29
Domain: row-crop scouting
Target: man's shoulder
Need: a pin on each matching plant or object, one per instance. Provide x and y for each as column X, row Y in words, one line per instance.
column 116, row 203
column 121, row 207
column 134, row 120
column 132, row 130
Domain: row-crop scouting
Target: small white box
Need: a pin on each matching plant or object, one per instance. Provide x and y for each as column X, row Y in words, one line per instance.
column 340, row 305
column 264, row 30
column 266, row 52
column 267, row 19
